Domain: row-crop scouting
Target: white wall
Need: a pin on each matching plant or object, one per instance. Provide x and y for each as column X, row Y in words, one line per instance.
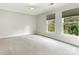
column 12, row 24
column 41, row 25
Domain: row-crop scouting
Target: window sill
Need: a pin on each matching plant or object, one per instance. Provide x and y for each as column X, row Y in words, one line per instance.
column 70, row 35
column 51, row 32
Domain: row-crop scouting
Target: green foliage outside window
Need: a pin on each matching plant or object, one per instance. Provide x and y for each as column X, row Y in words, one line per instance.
column 71, row 25
column 51, row 25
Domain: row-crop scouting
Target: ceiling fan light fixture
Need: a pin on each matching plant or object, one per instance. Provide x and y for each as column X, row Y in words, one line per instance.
column 51, row 3
column 32, row 8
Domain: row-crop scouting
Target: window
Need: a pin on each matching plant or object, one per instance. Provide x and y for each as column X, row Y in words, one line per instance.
column 71, row 25
column 51, row 23
column 71, row 22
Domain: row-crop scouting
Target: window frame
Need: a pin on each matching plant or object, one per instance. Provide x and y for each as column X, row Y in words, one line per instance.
column 63, row 28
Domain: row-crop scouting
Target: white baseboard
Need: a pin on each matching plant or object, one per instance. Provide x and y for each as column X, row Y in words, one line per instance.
column 16, row 35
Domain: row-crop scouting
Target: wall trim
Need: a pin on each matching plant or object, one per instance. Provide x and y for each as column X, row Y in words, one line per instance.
column 9, row 36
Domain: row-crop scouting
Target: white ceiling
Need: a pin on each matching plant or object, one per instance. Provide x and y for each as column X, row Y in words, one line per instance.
column 26, row 7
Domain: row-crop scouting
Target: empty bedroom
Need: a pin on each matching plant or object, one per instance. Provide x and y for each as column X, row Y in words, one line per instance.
column 39, row 28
